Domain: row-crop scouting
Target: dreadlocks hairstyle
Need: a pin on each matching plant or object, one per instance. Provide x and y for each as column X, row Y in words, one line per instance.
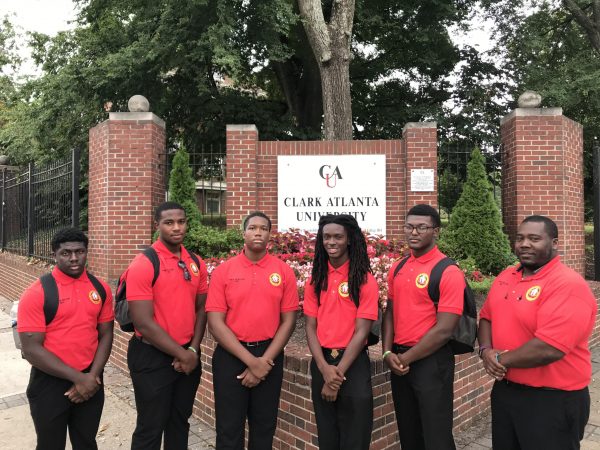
column 357, row 254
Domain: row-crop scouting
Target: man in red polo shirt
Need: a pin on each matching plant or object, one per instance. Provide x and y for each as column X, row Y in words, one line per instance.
column 533, row 338
column 251, row 306
column 341, row 301
column 169, row 321
column 415, row 337
column 67, row 354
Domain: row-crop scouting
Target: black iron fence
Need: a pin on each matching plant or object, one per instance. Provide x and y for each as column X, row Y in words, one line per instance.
column 453, row 159
column 209, row 171
column 37, row 201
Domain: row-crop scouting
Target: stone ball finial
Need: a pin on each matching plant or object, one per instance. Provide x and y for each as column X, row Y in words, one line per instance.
column 530, row 99
column 138, row 103
column 3, row 160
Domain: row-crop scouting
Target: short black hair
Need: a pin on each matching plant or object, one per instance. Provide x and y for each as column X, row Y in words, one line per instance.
column 256, row 214
column 68, row 235
column 166, row 206
column 426, row 210
column 549, row 224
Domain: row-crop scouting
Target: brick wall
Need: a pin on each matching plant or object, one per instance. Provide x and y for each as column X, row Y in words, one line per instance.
column 542, row 174
column 127, row 181
column 296, row 427
column 252, row 169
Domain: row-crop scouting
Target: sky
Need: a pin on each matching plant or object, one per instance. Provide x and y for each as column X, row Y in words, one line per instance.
column 44, row 16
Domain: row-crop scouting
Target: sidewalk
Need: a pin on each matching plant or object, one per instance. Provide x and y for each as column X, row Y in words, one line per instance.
column 118, row 419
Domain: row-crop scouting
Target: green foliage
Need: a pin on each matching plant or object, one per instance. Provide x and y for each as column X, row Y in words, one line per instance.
column 475, row 228
column 450, row 187
column 182, row 189
column 211, row 242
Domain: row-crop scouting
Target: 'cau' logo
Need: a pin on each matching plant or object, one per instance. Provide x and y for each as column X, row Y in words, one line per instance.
column 330, row 176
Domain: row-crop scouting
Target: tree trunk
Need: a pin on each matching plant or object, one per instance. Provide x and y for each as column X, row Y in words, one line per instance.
column 590, row 24
column 331, row 46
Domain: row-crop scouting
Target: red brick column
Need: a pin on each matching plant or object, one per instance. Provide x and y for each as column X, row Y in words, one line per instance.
column 542, row 174
column 420, row 151
column 242, row 192
column 127, row 181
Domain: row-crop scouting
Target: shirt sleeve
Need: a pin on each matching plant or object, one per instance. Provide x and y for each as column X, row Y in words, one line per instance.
column 290, row 300
column 311, row 306
column 564, row 318
column 203, row 284
column 107, row 313
column 452, row 288
column 390, row 280
column 30, row 314
column 139, row 279
column 369, row 299
column 216, row 301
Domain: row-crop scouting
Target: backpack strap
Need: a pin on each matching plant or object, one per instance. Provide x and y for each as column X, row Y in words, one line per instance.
column 400, row 266
column 151, row 254
column 194, row 258
column 50, row 289
column 435, row 277
column 98, row 286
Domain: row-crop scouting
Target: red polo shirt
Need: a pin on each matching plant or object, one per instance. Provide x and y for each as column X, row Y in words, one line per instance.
column 414, row 312
column 554, row 305
column 72, row 335
column 336, row 314
column 252, row 295
column 174, row 298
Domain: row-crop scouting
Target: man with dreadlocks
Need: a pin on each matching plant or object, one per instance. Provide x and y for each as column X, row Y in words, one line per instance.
column 340, row 304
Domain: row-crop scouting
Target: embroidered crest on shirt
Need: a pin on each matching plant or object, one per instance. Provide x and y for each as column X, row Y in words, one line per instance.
column 275, row 279
column 422, row 280
column 94, row 297
column 194, row 268
column 343, row 289
column 533, row 293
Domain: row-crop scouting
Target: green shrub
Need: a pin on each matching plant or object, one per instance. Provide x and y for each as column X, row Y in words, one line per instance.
column 182, row 188
column 219, row 221
column 475, row 227
column 210, row 242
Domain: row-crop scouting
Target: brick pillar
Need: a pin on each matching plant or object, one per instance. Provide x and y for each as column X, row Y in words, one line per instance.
column 127, row 181
column 419, row 140
column 542, row 174
column 242, row 192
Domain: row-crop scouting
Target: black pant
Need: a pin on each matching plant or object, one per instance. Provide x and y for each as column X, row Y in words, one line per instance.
column 347, row 423
column 234, row 402
column 164, row 398
column 526, row 418
column 53, row 413
column 423, row 402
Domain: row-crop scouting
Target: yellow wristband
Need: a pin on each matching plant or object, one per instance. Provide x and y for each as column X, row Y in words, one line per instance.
column 385, row 354
column 192, row 349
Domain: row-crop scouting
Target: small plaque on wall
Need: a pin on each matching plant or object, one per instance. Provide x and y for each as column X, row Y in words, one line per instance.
column 422, row 180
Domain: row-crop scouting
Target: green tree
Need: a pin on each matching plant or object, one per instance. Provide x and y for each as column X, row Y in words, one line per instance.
column 475, row 227
column 182, row 188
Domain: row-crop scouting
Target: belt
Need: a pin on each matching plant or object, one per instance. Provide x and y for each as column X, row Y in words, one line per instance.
column 147, row 342
column 525, row 386
column 334, row 355
column 397, row 348
column 256, row 343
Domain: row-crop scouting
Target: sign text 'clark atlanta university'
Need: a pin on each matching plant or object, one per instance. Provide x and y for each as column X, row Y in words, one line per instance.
column 312, row 186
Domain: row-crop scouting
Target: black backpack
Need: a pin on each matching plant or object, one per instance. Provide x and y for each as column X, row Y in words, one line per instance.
column 51, row 294
column 121, row 306
column 463, row 337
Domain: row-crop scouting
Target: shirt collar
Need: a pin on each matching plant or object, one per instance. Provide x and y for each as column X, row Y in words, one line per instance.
column 434, row 252
column 162, row 249
column 343, row 269
column 248, row 262
column 540, row 272
column 65, row 279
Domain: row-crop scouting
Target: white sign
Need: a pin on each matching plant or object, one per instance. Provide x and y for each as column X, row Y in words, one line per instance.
column 421, row 180
column 312, row 186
